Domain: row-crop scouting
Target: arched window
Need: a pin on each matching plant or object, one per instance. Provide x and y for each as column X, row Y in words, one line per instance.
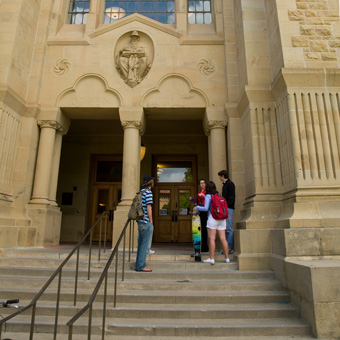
column 77, row 11
column 199, row 12
column 159, row 10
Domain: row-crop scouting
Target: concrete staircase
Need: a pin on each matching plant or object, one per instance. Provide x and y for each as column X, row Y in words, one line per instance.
column 180, row 299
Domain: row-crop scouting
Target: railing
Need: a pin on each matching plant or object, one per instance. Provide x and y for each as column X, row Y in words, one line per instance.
column 104, row 276
column 58, row 272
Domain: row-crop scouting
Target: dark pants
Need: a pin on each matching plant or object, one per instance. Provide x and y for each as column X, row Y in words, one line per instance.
column 204, row 237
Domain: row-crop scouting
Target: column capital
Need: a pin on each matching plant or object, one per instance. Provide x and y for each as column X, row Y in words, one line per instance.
column 214, row 124
column 52, row 124
column 132, row 124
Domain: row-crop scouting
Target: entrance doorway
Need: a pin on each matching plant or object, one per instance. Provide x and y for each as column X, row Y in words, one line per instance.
column 175, row 183
column 106, row 192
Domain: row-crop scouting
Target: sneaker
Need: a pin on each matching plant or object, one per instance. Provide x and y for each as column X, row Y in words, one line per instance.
column 211, row 261
column 221, row 251
column 231, row 251
column 227, row 260
column 151, row 251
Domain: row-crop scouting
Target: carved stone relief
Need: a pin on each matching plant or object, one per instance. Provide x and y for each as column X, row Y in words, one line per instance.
column 207, row 67
column 61, row 67
column 133, row 55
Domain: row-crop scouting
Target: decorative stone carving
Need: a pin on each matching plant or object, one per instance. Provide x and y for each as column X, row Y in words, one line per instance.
column 214, row 124
column 52, row 124
column 133, row 60
column 207, row 67
column 132, row 124
column 61, row 67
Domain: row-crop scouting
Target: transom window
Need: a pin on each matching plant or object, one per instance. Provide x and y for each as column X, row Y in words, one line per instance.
column 77, row 11
column 199, row 12
column 159, row 10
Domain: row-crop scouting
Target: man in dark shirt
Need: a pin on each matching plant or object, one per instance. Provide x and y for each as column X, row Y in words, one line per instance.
column 228, row 192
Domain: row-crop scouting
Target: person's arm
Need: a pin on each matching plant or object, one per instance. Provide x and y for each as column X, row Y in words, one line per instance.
column 206, row 204
column 149, row 210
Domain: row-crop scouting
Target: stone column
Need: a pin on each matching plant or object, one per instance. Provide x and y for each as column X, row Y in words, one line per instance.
column 215, row 130
column 44, row 162
column 55, row 166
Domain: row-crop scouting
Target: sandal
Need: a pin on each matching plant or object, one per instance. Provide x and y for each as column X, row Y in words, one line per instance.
column 144, row 270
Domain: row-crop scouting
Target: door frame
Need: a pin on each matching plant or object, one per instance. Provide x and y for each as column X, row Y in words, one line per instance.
column 174, row 226
column 95, row 185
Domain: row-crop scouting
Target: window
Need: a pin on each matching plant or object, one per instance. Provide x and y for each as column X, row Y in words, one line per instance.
column 199, row 12
column 159, row 10
column 77, row 11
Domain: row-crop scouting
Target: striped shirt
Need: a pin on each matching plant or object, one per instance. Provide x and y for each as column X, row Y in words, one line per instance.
column 147, row 199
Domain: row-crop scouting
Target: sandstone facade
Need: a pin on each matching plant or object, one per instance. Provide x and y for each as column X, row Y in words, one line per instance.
column 256, row 92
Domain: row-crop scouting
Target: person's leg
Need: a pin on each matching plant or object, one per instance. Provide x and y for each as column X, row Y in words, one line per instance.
column 230, row 229
column 211, row 238
column 204, row 232
column 145, row 231
column 221, row 235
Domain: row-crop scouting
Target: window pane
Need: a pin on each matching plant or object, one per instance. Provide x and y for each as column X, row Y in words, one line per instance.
column 207, row 18
column 184, row 202
column 171, row 19
column 199, row 12
column 77, row 11
column 164, row 202
column 154, row 9
column 103, row 200
column 199, row 18
column 172, row 172
column 199, row 6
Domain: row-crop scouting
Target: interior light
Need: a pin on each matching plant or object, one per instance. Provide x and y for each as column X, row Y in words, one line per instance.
column 115, row 12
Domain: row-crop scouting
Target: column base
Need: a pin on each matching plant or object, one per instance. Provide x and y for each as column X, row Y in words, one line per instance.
column 47, row 222
column 39, row 200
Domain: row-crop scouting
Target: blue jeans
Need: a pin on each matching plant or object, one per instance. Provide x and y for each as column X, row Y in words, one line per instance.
column 145, row 232
column 229, row 232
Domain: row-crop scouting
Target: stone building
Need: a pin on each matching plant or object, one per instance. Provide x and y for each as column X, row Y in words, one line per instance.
column 251, row 86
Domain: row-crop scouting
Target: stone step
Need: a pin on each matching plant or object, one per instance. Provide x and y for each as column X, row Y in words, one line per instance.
column 156, row 297
column 147, row 284
column 170, row 327
column 131, row 274
column 173, row 311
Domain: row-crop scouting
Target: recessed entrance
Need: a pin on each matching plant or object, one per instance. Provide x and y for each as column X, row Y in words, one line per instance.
column 106, row 191
column 175, row 183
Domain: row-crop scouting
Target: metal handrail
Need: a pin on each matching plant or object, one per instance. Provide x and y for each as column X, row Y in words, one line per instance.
column 104, row 275
column 58, row 271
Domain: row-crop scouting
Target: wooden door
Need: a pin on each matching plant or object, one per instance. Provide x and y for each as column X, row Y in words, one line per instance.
column 171, row 215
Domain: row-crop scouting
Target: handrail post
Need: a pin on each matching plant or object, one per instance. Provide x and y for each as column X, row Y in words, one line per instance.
column 90, row 251
column 32, row 321
column 100, row 236
column 57, row 308
column 105, row 233
column 70, row 332
column 130, row 241
column 133, row 236
column 76, row 280
column 89, row 327
column 123, row 264
column 104, row 306
column 115, row 291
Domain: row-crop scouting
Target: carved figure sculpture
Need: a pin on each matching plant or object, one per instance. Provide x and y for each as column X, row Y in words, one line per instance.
column 132, row 61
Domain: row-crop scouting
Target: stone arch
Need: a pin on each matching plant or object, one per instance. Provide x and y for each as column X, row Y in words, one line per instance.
column 175, row 90
column 90, row 90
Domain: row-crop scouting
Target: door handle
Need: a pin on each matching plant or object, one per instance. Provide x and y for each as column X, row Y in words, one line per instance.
column 175, row 215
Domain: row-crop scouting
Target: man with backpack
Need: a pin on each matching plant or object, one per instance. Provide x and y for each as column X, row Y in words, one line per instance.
column 216, row 206
column 228, row 192
column 145, row 225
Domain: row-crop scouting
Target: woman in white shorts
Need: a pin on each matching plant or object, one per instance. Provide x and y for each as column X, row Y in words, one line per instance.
column 214, row 226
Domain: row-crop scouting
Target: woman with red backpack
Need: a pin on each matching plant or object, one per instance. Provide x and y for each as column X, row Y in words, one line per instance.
column 217, row 210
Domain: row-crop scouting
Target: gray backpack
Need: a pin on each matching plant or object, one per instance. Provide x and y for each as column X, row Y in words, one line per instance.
column 136, row 210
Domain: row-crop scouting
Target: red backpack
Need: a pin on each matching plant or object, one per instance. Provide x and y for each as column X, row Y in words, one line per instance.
column 219, row 208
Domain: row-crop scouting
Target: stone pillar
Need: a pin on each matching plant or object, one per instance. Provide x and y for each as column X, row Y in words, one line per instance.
column 215, row 122
column 44, row 162
column 55, row 166
column 132, row 120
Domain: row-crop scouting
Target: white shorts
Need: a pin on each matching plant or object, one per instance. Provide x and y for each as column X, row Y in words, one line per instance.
column 216, row 224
